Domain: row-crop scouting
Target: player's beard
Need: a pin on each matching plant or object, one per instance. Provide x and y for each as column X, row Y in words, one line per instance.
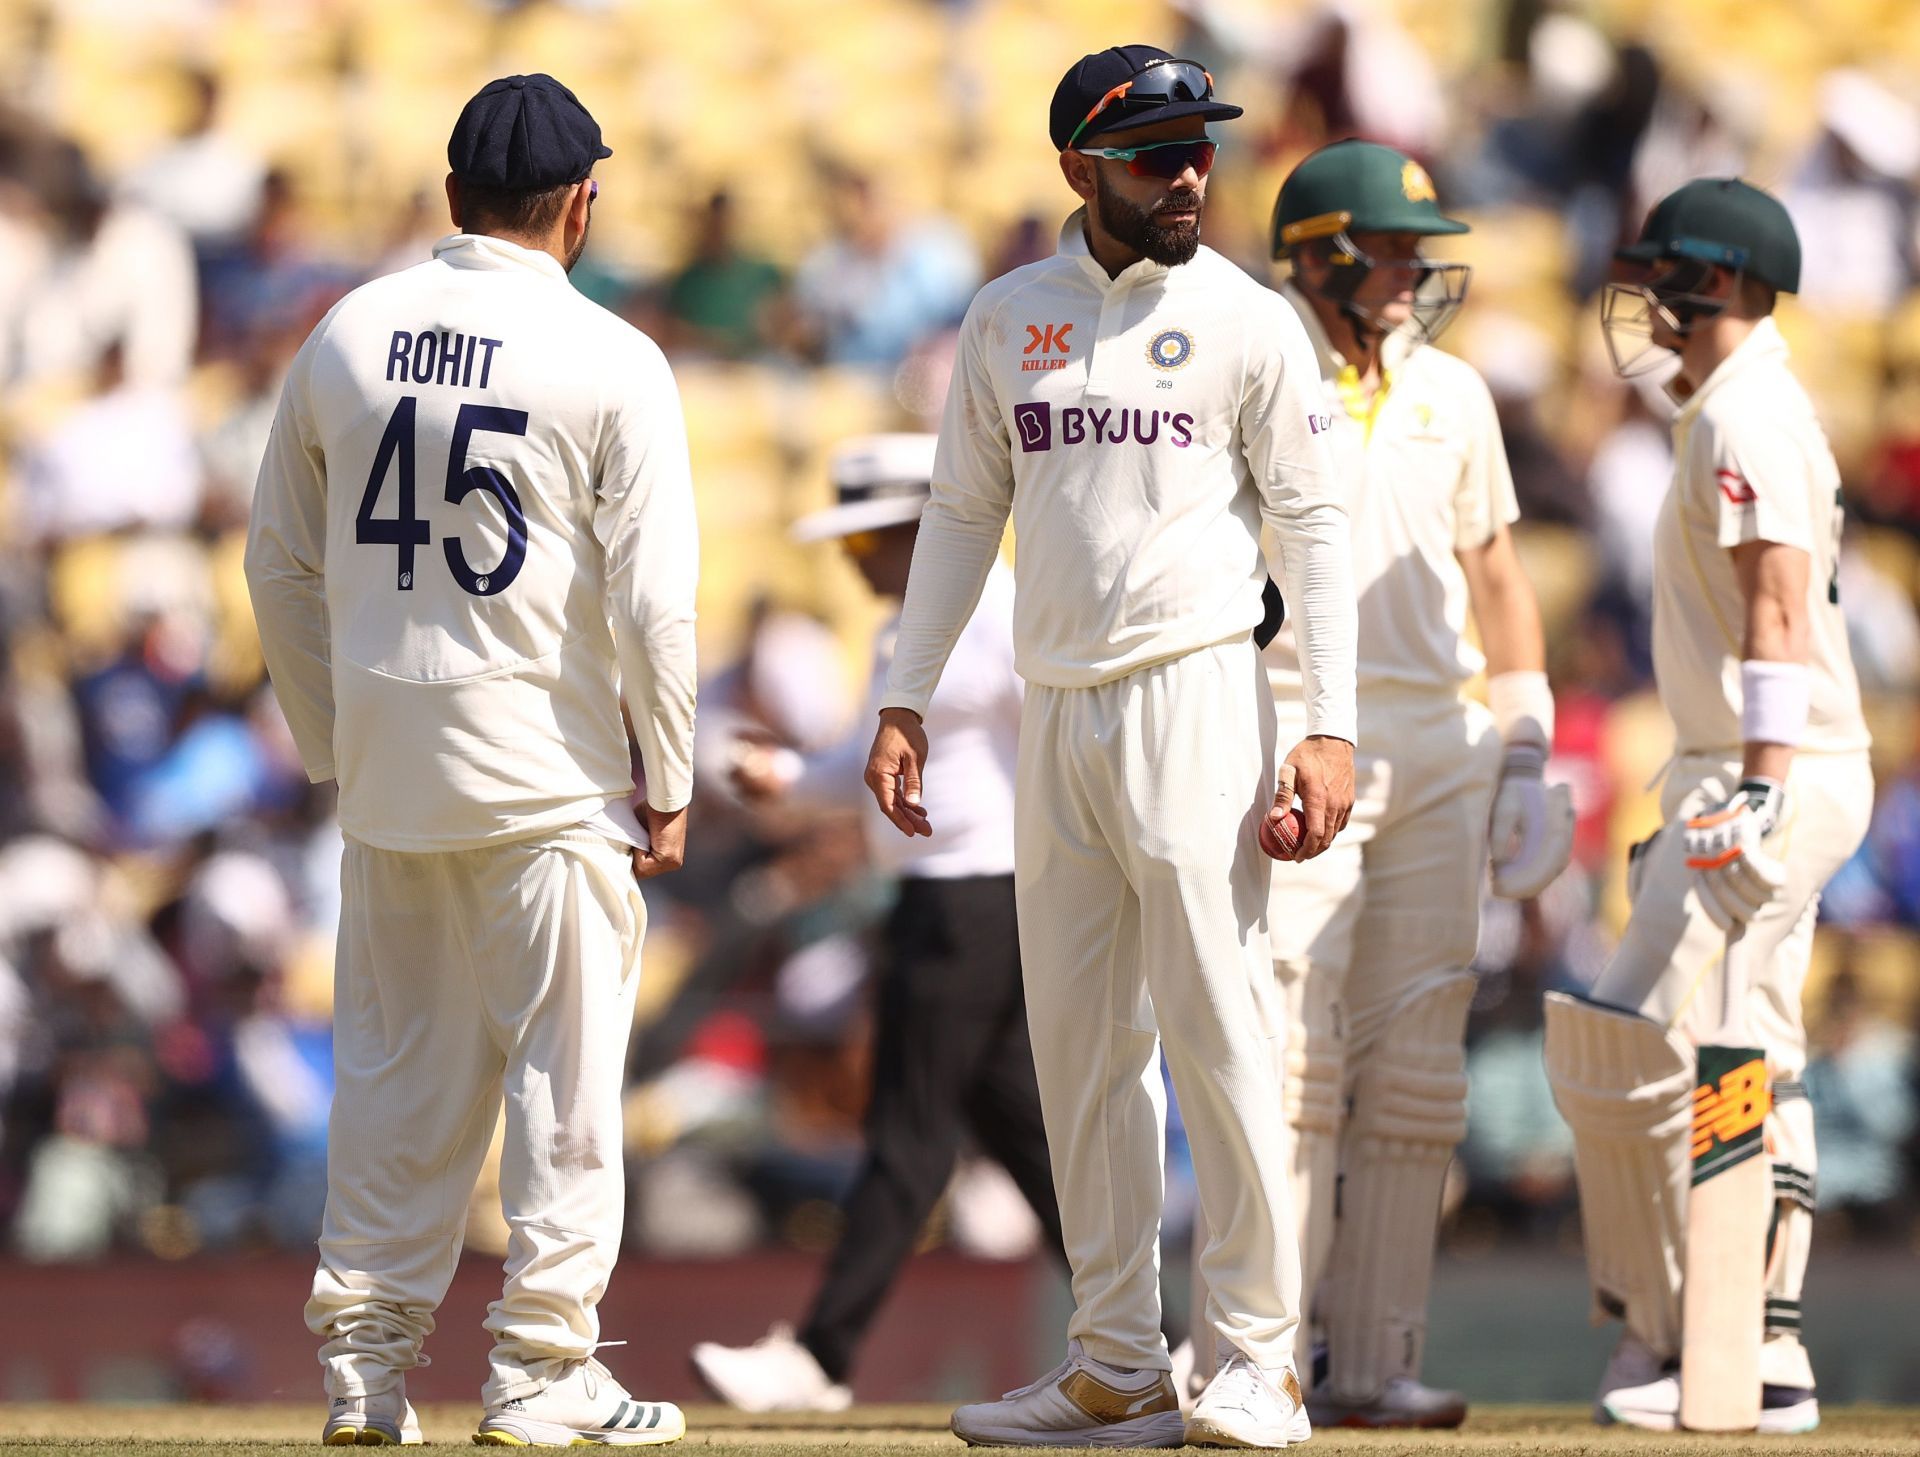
column 1128, row 223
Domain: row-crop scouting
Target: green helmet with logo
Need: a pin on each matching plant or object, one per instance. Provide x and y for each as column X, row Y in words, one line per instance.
column 1357, row 187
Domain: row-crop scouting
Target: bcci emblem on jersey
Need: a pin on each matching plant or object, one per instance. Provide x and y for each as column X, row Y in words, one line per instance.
column 1170, row 349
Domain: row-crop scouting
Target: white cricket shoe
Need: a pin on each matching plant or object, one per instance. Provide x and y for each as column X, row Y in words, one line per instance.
column 1633, row 1363
column 584, row 1405
column 1655, row 1407
column 1244, row 1406
column 386, row 1420
column 775, row 1373
column 1402, row 1402
column 1080, row 1403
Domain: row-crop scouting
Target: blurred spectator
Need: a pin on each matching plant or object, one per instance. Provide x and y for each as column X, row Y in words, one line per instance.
column 115, row 276
column 878, row 284
column 124, row 457
column 1882, row 881
column 1517, row 361
column 205, row 181
column 130, row 708
column 719, row 299
column 272, row 277
column 411, row 233
column 1356, row 72
column 1860, row 1080
column 1853, row 198
column 1627, row 482
column 231, row 448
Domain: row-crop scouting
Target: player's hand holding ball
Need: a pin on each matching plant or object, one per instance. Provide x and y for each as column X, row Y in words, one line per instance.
column 1320, row 771
column 1733, row 872
column 1530, row 835
column 894, row 766
column 1284, row 827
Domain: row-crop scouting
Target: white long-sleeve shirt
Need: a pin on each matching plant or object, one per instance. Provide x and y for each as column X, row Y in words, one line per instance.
column 1139, row 430
column 1425, row 473
column 473, row 534
column 974, row 717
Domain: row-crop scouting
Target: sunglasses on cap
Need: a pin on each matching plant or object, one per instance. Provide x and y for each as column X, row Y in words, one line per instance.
column 1165, row 160
column 1157, row 83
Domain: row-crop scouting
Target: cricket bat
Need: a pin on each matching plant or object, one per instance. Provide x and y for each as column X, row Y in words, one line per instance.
column 1728, row 1205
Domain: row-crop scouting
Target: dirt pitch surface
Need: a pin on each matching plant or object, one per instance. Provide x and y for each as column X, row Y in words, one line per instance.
column 905, row 1431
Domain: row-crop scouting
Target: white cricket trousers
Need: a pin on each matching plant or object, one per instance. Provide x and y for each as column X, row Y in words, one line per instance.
column 1142, row 896
column 460, row 977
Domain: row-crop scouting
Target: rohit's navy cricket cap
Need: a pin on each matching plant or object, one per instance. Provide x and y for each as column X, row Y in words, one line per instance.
column 1129, row 86
column 524, row 134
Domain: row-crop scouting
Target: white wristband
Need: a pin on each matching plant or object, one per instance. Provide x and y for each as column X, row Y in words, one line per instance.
column 1773, row 702
column 1522, row 705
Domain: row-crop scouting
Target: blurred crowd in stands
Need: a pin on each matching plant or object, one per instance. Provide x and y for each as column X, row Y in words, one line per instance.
column 800, row 213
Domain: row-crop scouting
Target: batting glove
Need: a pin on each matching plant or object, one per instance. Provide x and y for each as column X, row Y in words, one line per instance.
column 1733, row 873
column 1530, row 836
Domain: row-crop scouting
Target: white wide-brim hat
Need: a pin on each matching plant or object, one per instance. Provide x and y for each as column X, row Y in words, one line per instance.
column 881, row 481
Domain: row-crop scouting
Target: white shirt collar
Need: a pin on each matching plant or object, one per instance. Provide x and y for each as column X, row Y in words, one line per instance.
column 1765, row 343
column 486, row 253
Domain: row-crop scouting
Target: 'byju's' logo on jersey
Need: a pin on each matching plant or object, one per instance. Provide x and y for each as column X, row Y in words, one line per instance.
column 1170, row 349
column 1034, row 421
column 1080, row 426
column 1319, row 423
column 1048, row 340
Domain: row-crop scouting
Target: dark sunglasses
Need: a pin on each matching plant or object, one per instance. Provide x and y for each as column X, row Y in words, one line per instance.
column 1158, row 83
column 1165, row 160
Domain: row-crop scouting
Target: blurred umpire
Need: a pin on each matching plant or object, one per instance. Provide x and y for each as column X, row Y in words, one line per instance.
column 951, row 1053
column 472, row 539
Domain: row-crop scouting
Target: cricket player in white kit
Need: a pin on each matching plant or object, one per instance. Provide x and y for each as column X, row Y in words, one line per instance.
column 1141, row 408
column 1768, row 793
column 1373, row 940
column 473, row 537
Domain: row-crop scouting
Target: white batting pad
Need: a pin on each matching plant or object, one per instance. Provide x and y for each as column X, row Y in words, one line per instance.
column 1624, row 1084
column 1409, row 1111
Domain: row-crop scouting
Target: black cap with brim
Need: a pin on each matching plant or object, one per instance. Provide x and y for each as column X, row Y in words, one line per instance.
column 1172, row 111
column 1726, row 221
column 524, row 134
column 1092, row 77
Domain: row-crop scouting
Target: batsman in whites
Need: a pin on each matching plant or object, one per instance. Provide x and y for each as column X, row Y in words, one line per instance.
column 1766, row 797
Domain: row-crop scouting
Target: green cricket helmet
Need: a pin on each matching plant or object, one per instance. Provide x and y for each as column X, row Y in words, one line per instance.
column 1355, row 188
column 1708, row 223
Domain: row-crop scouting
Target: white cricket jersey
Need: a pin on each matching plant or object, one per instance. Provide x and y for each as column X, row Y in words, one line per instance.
column 1425, row 473
column 1140, row 430
column 1750, row 463
column 473, row 534
column 973, row 721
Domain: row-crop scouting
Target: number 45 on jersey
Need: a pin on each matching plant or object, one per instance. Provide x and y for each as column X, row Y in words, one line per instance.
column 405, row 531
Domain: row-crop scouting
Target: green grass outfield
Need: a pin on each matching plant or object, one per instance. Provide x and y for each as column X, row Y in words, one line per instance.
column 900, row 1431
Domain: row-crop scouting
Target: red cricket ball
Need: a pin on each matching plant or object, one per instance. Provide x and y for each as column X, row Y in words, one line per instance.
column 1281, row 838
